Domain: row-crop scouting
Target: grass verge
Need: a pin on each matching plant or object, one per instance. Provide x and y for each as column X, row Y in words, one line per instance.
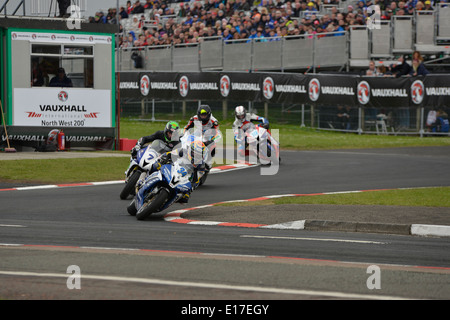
column 64, row 170
column 422, row 197
column 294, row 137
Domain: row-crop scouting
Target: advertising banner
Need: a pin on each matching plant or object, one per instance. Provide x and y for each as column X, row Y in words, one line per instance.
column 380, row 92
column 327, row 89
column 62, row 107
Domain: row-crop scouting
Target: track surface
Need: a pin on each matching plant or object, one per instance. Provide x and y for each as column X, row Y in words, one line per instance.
column 203, row 260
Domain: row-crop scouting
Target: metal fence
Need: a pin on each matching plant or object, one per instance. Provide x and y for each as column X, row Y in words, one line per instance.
column 360, row 120
column 287, row 53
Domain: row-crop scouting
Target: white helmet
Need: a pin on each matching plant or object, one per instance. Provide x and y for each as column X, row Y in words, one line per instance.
column 240, row 112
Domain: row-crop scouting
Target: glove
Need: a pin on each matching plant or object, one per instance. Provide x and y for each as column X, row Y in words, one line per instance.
column 164, row 158
column 135, row 150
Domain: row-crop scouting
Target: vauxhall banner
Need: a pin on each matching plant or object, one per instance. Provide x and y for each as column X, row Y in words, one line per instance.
column 332, row 89
column 289, row 88
column 380, row 92
column 436, row 91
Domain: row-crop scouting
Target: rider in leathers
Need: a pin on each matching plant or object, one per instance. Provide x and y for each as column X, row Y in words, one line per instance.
column 170, row 136
column 192, row 157
column 210, row 127
column 243, row 118
column 243, row 121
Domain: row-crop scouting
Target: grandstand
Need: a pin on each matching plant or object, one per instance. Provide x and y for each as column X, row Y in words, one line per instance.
column 305, row 42
column 217, row 35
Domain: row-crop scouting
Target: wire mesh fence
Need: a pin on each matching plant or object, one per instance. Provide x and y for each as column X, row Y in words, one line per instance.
column 388, row 120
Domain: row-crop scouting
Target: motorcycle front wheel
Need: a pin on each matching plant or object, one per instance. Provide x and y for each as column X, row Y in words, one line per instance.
column 130, row 185
column 203, row 179
column 153, row 204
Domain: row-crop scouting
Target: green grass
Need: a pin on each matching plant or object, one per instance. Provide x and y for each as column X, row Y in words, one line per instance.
column 427, row 197
column 64, row 170
column 294, row 137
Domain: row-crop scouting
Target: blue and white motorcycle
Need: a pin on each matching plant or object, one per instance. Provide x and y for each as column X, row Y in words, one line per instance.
column 161, row 189
column 141, row 165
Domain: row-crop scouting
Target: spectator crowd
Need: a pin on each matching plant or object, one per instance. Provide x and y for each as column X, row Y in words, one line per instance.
column 173, row 22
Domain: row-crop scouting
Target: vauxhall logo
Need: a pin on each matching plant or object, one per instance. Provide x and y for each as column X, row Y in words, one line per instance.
column 63, row 96
column 62, row 108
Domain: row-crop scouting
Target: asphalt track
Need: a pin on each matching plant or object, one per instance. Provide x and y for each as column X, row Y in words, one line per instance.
column 45, row 230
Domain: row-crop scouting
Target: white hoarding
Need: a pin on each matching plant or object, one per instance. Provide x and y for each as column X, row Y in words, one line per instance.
column 62, row 107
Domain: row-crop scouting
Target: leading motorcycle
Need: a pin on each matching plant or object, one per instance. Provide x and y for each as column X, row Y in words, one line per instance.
column 164, row 187
column 160, row 190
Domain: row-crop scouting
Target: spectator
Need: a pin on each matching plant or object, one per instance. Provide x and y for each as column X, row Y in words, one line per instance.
column 419, row 6
column 129, row 7
column 381, row 70
column 123, row 13
column 442, row 123
column 431, row 120
column 61, row 79
column 342, row 118
column 401, row 69
column 216, row 16
column 418, row 69
column 148, row 4
column 63, row 6
column 372, row 71
column 138, row 8
column 38, row 75
column 416, row 55
column 311, row 10
column 100, row 17
column 428, row 6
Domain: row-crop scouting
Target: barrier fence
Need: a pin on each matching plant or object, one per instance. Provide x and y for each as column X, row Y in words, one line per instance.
column 330, row 102
column 286, row 53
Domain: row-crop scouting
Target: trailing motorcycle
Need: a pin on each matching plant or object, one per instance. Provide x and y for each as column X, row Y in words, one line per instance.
column 141, row 165
column 256, row 140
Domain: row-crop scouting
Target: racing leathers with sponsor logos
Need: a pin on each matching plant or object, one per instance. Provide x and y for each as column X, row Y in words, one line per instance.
column 243, row 122
column 210, row 130
column 243, row 119
column 192, row 156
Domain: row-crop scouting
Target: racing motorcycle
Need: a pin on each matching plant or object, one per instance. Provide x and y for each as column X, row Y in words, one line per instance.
column 160, row 190
column 164, row 187
column 141, row 165
column 260, row 141
column 207, row 135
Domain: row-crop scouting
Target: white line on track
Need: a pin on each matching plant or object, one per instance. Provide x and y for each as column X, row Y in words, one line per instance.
column 331, row 294
column 12, row 225
column 314, row 239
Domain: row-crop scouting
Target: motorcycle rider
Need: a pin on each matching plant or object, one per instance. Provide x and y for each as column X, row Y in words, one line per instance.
column 170, row 136
column 192, row 157
column 210, row 126
column 243, row 122
column 243, row 118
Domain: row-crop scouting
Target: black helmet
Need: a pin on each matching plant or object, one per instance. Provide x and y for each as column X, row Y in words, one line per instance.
column 204, row 113
column 171, row 127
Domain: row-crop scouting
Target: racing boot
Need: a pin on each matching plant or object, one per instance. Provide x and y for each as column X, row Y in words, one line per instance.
column 184, row 198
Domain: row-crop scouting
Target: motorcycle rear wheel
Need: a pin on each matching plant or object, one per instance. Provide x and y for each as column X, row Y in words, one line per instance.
column 153, row 205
